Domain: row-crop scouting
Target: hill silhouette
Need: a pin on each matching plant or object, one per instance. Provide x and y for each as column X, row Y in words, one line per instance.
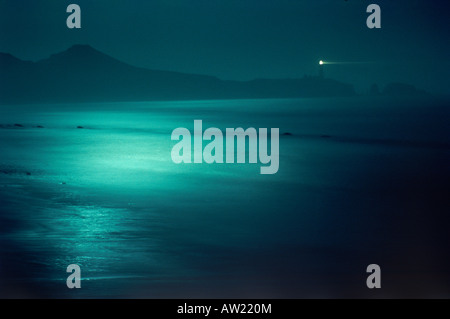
column 403, row 89
column 84, row 74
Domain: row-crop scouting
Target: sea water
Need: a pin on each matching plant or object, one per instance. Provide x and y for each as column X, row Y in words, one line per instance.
column 360, row 181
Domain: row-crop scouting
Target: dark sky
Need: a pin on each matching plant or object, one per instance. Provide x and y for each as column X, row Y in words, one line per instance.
column 246, row 39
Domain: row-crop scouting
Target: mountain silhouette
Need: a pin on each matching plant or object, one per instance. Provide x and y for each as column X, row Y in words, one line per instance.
column 403, row 89
column 84, row 74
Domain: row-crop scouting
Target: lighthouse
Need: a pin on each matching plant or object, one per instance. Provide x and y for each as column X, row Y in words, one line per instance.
column 321, row 63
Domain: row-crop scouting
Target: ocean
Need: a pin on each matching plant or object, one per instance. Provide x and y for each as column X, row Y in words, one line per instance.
column 361, row 181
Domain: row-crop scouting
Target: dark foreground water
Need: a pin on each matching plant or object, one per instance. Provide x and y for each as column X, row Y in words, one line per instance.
column 361, row 181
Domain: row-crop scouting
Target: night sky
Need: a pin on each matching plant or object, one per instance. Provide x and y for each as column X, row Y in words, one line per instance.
column 246, row 39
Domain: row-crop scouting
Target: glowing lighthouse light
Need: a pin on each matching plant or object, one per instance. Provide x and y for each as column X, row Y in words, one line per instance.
column 321, row 63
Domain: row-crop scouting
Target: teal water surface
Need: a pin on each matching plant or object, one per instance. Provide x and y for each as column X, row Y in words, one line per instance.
column 360, row 181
